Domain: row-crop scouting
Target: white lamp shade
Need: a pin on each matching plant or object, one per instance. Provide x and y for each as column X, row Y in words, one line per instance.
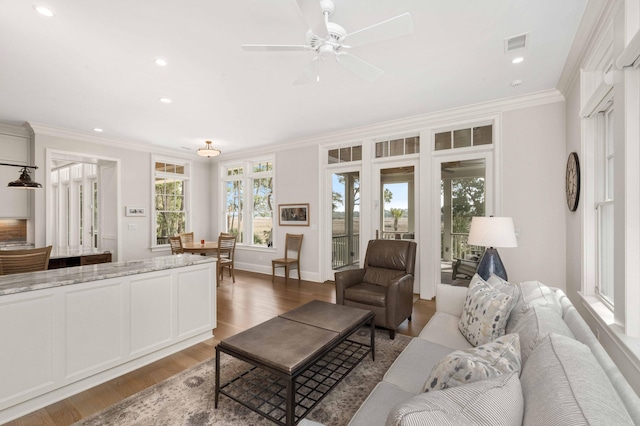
column 492, row 232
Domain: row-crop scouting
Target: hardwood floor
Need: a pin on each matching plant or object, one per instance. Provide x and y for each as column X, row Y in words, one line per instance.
column 252, row 300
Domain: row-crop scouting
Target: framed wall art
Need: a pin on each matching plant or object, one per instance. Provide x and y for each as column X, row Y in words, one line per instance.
column 293, row 214
column 135, row 211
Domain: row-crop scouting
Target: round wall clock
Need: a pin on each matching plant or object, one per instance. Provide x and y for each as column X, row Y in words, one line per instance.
column 572, row 181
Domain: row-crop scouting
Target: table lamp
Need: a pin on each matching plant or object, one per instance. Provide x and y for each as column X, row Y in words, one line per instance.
column 492, row 232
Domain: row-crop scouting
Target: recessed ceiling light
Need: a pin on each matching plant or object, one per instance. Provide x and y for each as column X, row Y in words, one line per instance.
column 98, row 130
column 165, row 100
column 44, row 11
column 161, row 62
column 517, row 60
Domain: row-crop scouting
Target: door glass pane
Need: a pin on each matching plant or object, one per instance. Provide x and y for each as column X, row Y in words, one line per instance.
column 345, row 222
column 398, row 218
column 462, row 196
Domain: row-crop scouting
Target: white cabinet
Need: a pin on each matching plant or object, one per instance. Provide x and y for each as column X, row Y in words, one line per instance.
column 14, row 149
column 57, row 341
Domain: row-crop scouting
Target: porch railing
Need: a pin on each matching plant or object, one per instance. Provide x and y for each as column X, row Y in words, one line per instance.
column 461, row 249
column 342, row 256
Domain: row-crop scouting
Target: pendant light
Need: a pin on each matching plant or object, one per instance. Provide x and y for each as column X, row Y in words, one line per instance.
column 208, row 150
column 24, row 181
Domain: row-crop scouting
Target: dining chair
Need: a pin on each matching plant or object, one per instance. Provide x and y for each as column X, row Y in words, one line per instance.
column 226, row 255
column 176, row 245
column 186, row 237
column 29, row 260
column 291, row 259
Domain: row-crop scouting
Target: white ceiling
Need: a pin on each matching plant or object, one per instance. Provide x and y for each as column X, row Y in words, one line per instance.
column 92, row 65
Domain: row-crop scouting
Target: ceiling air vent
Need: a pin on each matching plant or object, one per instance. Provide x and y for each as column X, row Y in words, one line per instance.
column 516, row 43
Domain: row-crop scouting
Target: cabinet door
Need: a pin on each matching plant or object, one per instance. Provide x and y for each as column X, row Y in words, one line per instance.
column 15, row 201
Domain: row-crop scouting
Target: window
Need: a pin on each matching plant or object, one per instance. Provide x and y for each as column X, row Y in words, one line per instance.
column 396, row 147
column 344, row 155
column 248, row 192
column 604, row 203
column 171, row 199
column 463, row 138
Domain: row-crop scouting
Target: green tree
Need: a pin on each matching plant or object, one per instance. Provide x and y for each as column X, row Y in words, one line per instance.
column 397, row 214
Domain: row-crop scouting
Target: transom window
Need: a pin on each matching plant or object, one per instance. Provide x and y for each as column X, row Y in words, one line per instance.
column 464, row 138
column 396, row 147
column 344, row 155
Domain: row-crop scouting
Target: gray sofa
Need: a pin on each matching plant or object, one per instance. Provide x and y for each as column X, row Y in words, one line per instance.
column 566, row 377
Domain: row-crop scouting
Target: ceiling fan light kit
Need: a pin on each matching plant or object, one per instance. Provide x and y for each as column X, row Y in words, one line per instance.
column 330, row 39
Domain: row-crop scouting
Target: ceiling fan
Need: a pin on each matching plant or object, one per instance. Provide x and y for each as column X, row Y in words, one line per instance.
column 330, row 39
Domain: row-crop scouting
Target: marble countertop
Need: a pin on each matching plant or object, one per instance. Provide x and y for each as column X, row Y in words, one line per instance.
column 18, row 283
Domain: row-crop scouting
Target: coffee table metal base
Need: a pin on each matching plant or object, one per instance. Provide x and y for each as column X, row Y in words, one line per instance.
column 286, row 396
column 268, row 392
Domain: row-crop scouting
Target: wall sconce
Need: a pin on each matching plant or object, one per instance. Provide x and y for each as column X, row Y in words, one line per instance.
column 24, row 181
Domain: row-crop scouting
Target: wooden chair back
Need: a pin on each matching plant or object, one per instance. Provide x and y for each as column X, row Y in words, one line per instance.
column 20, row 261
column 292, row 246
column 176, row 245
column 226, row 255
column 186, row 237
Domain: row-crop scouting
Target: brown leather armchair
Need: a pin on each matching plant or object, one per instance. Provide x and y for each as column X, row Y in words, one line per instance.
column 384, row 285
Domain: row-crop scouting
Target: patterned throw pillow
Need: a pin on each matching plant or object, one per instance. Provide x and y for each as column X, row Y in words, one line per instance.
column 502, row 356
column 485, row 312
column 495, row 402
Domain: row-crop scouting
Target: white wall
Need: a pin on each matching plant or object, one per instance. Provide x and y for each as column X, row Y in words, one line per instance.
column 296, row 182
column 533, row 164
column 135, row 169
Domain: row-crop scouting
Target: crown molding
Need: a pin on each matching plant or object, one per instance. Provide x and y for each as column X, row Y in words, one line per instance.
column 13, row 129
column 436, row 119
column 596, row 19
column 45, row 129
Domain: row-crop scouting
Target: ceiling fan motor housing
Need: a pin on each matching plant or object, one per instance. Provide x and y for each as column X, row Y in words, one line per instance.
column 330, row 44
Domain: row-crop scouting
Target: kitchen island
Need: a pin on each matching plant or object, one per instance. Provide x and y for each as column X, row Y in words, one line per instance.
column 65, row 330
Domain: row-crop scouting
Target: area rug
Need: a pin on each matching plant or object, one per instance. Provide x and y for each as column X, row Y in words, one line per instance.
column 188, row 397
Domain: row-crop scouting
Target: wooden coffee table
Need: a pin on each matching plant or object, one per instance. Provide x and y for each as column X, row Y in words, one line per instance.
column 297, row 358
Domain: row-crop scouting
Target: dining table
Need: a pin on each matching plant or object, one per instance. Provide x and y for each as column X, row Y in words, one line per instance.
column 197, row 247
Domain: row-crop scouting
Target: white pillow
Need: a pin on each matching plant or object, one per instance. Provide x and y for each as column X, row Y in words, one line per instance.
column 495, row 402
column 485, row 312
column 502, row 356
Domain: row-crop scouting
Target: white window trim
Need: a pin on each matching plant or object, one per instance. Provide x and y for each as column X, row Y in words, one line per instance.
column 187, row 195
column 247, row 212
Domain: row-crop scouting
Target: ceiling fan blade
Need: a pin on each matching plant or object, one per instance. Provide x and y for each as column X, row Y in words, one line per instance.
column 385, row 30
column 275, row 48
column 358, row 66
column 310, row 73
column 313, row 16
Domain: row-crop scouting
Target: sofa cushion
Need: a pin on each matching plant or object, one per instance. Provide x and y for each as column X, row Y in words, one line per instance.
column 442, row 329
column 367, row 294
column 381, row 400
column 381, row 276
column 536, row 323
column 485, row 312
column 496, row 401
column 532, row 293
column 414, row 364
column 563, row 384
column 502, row 356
